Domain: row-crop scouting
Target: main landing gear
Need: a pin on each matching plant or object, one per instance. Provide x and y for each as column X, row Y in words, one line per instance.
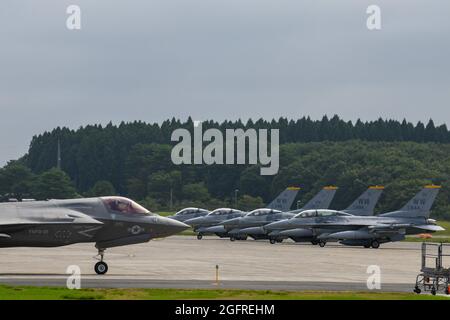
column 233, row 238
column 275, row 240
column 101, row 267
column 374, row 244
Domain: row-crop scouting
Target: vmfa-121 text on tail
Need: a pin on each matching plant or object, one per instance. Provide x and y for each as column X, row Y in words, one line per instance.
column 106, row 221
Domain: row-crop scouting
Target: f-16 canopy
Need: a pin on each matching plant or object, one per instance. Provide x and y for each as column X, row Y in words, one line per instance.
column 320, row 213
column 262, row 212
column 223, row 211
column 187, row 211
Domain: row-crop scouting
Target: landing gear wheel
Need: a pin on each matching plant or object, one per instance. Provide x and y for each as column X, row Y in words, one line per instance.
column 322, row 243
column 447, row 291
column 417, row 290
column 101, row 267
column 199, row 237
column 232, row 238
column 433, row 291
column 375, row 244
column 314, row 242
column 273, row 241
column 279, row 240
column 367, row 246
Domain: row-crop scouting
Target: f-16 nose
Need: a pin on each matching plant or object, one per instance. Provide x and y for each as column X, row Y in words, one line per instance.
column 231, row 222
column 276, row 225
column 194, row 221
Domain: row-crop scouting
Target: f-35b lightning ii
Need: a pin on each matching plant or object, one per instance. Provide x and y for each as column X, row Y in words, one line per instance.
column 107, row 221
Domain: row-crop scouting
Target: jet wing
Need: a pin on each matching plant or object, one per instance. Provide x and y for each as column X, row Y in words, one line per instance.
column 51, row 217
column 430, row 227
column 427, row 227
column 381, row 227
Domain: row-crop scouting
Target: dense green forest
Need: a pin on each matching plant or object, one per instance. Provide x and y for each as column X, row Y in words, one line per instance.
column 133, row 159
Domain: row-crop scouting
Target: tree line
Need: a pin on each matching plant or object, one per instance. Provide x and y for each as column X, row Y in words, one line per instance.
column 133, row 159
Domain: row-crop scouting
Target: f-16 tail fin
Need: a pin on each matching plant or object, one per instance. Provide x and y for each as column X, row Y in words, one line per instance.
column 419, row 205
column 284, row 200
column 366, row 202
column 322, row 200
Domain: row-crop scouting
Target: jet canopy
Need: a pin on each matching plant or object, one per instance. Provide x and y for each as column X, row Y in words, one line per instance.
column 124, row 205
column 262, row 212
column 186, row 211
column 223, row 211
column 320, row 213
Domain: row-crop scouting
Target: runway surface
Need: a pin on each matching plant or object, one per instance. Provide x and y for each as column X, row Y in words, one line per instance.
column 185, row 262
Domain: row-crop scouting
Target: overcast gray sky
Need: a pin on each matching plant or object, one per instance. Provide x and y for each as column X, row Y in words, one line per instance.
column 151, row 60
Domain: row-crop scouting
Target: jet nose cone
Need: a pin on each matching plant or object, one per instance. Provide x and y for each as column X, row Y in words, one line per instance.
column 173, row 226
column 175, row 218
column 194, row 221
column 231, row 222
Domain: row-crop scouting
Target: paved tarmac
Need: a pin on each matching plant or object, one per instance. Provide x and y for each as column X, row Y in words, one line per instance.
column 185, row 262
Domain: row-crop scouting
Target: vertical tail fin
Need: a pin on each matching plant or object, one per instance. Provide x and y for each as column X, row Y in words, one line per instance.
column 419, row 205
column 423, row 200
column 322, row 200
column 366, row 202
column 284, row 200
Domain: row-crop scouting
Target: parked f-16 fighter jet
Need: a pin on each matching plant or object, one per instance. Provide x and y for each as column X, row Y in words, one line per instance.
column 282, row 202
column 201, row 225
column 252, row 223
column 364, row 205
column 106, row 221
column 189, row 213
column 324, row 225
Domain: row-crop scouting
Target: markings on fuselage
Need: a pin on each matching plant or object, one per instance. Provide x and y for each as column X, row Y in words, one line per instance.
column 136, row 229
column 63, row 234
column 38, row 232
column 86, row 232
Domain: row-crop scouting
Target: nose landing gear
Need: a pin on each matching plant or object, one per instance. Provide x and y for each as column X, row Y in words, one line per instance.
column 101, row 267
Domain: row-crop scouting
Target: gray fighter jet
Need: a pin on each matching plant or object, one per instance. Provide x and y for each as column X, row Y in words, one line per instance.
column 325, row 225
column 201, row 225
column 252, row 223
column 364, row 205
column 189, row 213
column 106, row 221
